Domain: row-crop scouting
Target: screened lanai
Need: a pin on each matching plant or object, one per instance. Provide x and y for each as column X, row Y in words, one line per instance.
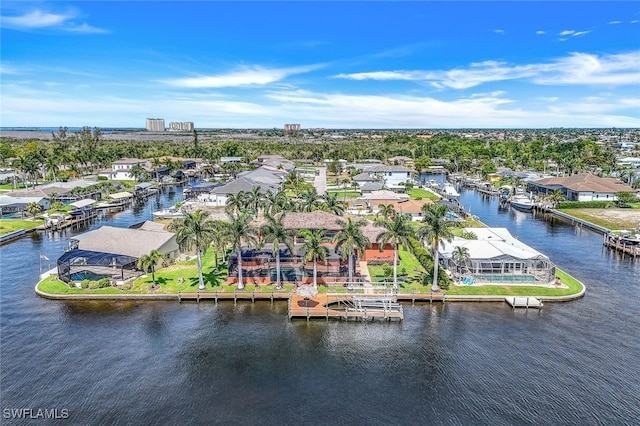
column 78, row 265
column 496, row 257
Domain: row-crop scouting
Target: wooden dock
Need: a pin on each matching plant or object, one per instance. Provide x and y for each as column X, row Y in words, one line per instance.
column 345, row 306
column 235, row 295
column 524, row 302
column 628, row 245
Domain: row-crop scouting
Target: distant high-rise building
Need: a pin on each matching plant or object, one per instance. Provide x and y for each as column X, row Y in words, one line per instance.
column 155, row 124
column 291, row 128
column 181, row 126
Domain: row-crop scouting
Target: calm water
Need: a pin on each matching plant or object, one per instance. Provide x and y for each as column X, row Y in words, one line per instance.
column 165, row 363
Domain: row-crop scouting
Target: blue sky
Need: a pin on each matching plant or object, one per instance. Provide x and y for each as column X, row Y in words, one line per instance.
column 321, row 64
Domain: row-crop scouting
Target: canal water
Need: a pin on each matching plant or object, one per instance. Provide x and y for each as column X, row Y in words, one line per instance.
column 458, row 363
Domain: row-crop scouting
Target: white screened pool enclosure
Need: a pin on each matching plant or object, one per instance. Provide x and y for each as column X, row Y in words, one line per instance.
column 496, row 257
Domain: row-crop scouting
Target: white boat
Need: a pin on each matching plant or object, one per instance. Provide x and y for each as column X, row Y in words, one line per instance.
column 522, row 202
column 169, row 213
column 450, row 191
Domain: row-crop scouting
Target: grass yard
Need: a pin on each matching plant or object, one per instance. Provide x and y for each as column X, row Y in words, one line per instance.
column 422, row 193
column 497, row 290
column 10, row 225
column 609, row 218
column 408, row 263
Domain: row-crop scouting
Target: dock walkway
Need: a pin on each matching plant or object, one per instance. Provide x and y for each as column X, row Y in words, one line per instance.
column 524, row 302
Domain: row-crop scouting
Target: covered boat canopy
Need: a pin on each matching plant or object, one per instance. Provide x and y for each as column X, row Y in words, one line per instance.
column 82, row 203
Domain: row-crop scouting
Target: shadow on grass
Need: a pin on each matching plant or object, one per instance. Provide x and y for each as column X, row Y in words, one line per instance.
column 213, row 277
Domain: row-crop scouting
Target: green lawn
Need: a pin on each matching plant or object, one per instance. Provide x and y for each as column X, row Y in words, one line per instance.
column 498, row 290
column 10, row 225
column 422, row 193
column 589, row 216
column 408, row 263
column 345, row 194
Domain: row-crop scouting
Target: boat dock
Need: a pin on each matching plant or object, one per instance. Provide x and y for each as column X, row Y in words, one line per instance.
column 345, row 306
column 626, row 244
column 524, row 302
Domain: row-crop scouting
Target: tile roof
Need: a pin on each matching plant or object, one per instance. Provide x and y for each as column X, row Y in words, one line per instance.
column 126, row 241
column 586, row 182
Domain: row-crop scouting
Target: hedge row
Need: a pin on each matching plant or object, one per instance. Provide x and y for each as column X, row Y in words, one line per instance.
column 586, row 204
column 426, row 260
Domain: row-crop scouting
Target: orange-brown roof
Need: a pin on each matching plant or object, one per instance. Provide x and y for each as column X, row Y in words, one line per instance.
column 586, row 182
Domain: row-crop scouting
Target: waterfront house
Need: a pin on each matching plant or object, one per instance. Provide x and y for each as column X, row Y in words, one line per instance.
column 114, row 252
column 393, row 177
column 120, row 169
column 400, row 160
column 497, row 257
column 581, row 187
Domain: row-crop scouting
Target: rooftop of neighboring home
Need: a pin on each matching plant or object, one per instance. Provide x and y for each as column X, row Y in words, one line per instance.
column 381, row 168
column 128, row 241
column 244, row 184
column 317, row 219
column 363, row 177
column 409, row 206
column 584, row 182
column 384, row 195
column 492, row 243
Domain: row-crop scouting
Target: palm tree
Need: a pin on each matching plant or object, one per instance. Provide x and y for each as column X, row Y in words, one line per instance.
column 435, row 230
column 349, row 239
column 461, row 256
column 240, row 231
column 33, row 208
column 136, row 172
column 234, row 203
column 314, row 250
column 397, row 231
column 275, row 202
column 253, row 199
column 275, row 232
column 386, row 210
column 309, row 200
column 195, row 230
column 149, row 262
column 332, row 204
column 555, row 197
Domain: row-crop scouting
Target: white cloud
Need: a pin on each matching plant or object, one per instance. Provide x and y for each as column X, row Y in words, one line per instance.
column 577, row 68
column 40, row 19
column 635, row 21
column 498, row 31
column 566, row 32
column 614, row 22
column 245, row 76
column 580, row 33
column 540, row 32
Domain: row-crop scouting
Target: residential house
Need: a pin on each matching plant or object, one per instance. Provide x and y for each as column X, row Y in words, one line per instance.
column 103, row 253
column 497, row 257
column 581, row 187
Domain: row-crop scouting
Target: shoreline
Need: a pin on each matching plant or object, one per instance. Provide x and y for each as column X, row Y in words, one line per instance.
column 266, row 296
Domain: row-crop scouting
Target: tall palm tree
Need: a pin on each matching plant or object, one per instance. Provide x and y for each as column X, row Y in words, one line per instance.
column 349, row 239
column 275, row 202
column 195, row 230
column 275, row 232
column 309, row 200
column 253, row 199
column 435, row 230
column 314, row 250
column 241, row 231
column 149, row 262
column 234, row 203
column 396, row 232
column 332, row 204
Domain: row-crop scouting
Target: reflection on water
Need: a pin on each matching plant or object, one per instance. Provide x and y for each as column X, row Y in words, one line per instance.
column 464, row 363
